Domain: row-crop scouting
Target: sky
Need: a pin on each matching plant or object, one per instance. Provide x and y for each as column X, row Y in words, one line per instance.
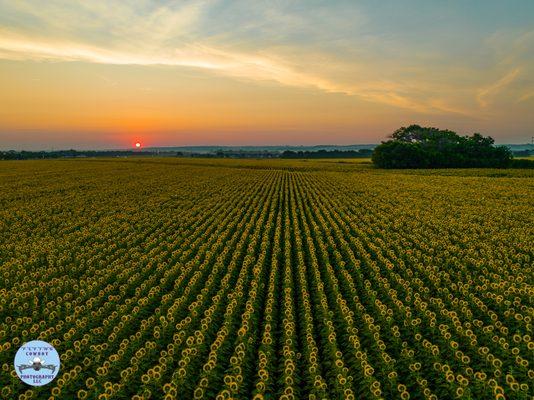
column 106, row 74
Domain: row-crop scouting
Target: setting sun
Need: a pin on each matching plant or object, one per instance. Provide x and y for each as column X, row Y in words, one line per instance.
column 137, row 145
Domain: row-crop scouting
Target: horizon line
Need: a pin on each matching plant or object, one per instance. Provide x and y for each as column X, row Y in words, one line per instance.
column 51, row 149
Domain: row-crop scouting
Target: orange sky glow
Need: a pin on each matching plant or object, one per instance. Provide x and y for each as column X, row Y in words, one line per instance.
column 107, row 74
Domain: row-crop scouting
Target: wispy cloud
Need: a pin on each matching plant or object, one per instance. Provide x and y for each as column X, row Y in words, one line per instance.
column 525, row 97
column 486, row 94
column 332, row 47
column 234, row 64
column 230, row 63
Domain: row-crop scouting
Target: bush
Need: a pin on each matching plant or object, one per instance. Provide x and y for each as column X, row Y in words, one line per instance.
column 522, row 163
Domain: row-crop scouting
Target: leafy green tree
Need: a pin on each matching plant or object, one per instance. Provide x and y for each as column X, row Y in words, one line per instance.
column 426, row 147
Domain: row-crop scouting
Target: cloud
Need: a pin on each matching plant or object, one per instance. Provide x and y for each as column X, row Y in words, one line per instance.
column 525, row 97
column 238, row 65
column 330, row 47
column 486, row 94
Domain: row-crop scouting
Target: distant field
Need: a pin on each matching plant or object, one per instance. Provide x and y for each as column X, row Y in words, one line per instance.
column 205, row 278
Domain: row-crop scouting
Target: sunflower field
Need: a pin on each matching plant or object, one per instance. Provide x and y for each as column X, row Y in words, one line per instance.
column 269, row 279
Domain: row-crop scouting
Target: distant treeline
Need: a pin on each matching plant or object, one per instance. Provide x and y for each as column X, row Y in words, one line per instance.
column 421, row 147
column 32, row 155
column 28, row 155
column 327, row 154
column 523, row 153
column 235, row 154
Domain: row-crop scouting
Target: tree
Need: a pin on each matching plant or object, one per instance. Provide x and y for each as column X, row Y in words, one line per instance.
column 425, row 147
column 400, row 154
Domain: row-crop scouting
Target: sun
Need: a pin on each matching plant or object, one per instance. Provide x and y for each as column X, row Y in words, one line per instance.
column 137, row 145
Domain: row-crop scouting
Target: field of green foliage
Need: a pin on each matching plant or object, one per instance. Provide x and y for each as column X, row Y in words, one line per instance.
column 325, row 279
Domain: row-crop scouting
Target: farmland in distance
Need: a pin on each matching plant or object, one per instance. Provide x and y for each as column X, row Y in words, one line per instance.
column 189, row 279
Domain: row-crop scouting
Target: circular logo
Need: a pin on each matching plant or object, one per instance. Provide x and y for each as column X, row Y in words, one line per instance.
column 37, row 363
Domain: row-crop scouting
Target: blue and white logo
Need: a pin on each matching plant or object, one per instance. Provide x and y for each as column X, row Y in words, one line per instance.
column 37, row 363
